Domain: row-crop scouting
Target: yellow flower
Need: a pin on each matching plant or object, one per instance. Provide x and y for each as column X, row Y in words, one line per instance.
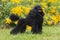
column 15, row 1
column 17, row 10
column 44, row 10
column 54, row 7
column 43, row 3
column 53, row 11
column 28, row 27
column 49, row 22
column 51, row 1
column 16, row 22
column 4, row 0
column 29, row 0
column 46, row 17
column 56, row 21
column 33, row 3
column 58, row 6
column 27, row 10
column 46, row 6
column 53, row 17
column 13, row 10
column 8, row 21
column 59, row 18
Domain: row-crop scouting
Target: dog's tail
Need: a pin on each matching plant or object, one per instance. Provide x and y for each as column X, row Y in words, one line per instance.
column 14, row 17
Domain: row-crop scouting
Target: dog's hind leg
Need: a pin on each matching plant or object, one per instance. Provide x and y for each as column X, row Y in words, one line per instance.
column 21, row 27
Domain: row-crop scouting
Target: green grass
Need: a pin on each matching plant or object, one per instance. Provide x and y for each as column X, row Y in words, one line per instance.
column 49, row 33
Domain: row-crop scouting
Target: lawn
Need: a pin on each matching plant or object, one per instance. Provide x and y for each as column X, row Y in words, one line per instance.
column 49, row 33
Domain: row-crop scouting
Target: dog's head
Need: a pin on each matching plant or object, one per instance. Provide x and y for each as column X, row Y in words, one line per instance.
column 39, row 9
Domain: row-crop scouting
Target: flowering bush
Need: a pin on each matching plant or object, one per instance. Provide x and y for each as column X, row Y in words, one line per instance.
column 51, row 8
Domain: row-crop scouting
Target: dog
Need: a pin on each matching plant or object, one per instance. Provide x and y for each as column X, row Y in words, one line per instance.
column 33, row 19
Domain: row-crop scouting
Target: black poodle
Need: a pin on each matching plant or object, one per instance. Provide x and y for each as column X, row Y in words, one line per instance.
column 33, row 19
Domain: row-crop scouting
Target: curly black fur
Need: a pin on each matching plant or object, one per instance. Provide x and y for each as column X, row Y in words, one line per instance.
column 14, row 17
column 34, row 19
